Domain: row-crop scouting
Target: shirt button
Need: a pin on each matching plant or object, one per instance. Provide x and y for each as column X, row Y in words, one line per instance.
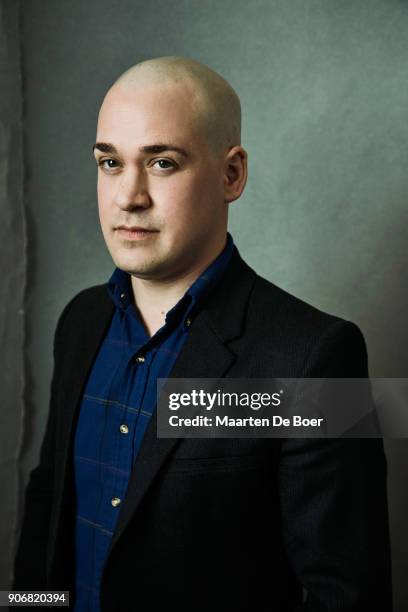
column 124, row 429
column 122, row 296
column 140, row 359
column 188, row 322
column 115, row 501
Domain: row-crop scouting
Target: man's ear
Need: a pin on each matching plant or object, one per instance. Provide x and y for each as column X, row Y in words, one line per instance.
column 236, row 173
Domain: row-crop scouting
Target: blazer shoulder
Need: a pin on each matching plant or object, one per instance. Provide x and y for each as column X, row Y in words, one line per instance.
column 273, row 300
column 300, row 331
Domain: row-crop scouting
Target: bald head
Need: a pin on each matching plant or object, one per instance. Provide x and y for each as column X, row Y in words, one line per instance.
column 214, row 103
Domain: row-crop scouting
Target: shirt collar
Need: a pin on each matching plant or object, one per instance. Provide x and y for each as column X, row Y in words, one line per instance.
column 120, row 287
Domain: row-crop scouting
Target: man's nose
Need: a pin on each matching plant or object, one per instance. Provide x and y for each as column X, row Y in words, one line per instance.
column 133, row 190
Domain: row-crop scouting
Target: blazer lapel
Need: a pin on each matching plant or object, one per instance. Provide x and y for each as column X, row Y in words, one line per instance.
column 204, row 355
column 154, row 451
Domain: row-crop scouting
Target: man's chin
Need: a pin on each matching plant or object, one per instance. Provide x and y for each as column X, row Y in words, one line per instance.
column 148, row 270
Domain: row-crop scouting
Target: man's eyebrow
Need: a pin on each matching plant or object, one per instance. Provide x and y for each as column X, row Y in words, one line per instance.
column 107, row 147
column 104, row 147
column 160, row 148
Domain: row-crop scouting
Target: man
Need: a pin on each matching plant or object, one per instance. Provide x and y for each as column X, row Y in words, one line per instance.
column 128, row 521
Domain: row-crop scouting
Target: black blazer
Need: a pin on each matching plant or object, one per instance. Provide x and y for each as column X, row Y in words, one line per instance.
column 216, row 524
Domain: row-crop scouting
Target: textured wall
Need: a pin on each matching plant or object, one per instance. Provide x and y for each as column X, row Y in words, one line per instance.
column 324, row 89
column 12, row 274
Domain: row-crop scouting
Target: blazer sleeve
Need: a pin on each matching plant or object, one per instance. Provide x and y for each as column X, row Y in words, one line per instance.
column 30, row 559
column 334, row 501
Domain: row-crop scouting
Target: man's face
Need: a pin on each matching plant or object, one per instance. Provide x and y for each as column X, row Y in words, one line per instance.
column 156, row 173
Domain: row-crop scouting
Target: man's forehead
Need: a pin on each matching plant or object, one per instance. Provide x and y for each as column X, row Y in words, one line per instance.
column 138, row 124
column 149, row 109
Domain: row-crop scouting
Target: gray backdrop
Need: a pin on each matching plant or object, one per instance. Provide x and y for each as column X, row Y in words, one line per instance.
column 324, row 90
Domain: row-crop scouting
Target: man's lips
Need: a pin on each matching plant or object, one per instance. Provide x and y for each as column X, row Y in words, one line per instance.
column 135, row 232
column 136, row 228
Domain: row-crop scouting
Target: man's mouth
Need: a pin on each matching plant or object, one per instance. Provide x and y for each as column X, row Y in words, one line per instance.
column 135, row 232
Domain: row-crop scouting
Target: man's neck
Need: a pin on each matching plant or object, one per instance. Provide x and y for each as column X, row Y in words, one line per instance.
column 154, row 298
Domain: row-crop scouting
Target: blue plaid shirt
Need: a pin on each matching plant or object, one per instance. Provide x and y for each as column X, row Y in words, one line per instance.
column 118, row 401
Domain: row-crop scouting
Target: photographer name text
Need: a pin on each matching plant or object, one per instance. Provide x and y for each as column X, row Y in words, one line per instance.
column 226, row 421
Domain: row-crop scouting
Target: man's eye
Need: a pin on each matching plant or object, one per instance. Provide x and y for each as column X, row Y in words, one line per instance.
column 164, row 164
column 108, row 164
